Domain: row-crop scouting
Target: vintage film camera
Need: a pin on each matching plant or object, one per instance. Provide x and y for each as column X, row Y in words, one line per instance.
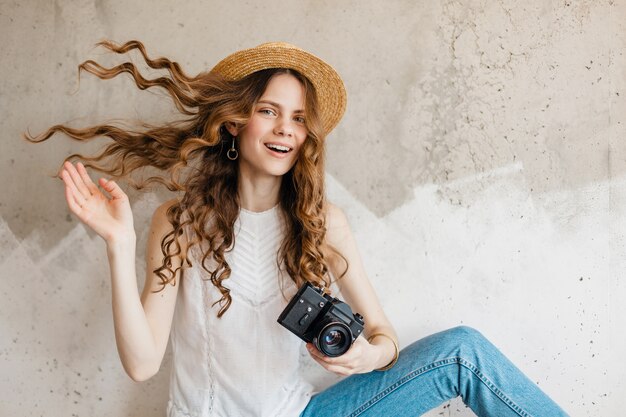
column 325, row 321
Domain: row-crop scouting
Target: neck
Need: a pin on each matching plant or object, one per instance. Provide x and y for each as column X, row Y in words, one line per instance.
column 258, row 193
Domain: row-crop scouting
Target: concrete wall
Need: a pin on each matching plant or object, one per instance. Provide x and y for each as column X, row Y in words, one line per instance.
column 481, row 161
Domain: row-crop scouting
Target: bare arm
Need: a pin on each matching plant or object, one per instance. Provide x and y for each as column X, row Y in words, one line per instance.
column 360, row 295
column 141, row 325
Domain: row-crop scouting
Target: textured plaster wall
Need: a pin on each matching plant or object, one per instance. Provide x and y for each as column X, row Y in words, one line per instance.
column 481, row 162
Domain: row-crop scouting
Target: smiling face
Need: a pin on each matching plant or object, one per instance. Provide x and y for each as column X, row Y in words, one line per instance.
column 270, row 141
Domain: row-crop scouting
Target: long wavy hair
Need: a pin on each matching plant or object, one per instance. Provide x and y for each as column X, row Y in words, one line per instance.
column 191, row 151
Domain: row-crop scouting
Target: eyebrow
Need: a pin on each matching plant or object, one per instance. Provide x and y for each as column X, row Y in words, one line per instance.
column 278, row 105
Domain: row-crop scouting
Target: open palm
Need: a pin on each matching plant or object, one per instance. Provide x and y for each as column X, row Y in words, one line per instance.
column 111, row 218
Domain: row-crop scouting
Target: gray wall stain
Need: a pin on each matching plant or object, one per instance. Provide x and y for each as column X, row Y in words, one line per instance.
column 102, row 14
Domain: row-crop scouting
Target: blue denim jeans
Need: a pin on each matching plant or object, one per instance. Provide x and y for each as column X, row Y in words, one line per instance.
column 435, row 369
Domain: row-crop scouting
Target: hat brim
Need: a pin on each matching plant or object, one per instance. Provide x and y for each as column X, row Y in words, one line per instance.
column 329, row 88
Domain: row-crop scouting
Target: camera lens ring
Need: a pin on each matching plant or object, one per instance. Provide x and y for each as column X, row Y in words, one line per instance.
column 340, row 342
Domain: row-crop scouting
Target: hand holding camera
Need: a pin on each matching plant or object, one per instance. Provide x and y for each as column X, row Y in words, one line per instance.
column 322, row 320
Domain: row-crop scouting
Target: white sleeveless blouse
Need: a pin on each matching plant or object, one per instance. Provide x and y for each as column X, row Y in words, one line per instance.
column 245, row 363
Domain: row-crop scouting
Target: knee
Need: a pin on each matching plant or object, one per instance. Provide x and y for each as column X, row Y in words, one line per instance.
column 466, row 332
column 461, row 341
column 466, row 336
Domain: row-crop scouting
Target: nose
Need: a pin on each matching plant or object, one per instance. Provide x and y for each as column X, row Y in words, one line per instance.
column 284, row 127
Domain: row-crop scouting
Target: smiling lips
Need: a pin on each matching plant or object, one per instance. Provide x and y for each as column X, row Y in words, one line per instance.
column 278, row 150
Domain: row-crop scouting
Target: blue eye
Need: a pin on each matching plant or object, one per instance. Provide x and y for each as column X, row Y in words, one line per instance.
column 268, row 111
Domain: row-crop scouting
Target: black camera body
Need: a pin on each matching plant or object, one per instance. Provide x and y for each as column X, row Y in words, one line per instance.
column 323, row 320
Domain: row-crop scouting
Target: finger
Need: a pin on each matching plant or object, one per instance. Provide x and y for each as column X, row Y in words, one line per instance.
column 82, row 171
column 328, row 360
column 312, row 350
column 335, row 368
column 71, row 201
column 316, row 353
column 112, row 188
column 71, row 191
column 339, row 370
column 78, row 181
column 342, row 360
column 353, row 354
column 320, row 361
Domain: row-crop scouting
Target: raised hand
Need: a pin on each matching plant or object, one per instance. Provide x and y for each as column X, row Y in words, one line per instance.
column 110, row 217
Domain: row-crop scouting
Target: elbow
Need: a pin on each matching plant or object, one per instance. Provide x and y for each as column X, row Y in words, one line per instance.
column 140, row 366
column 141, row 374
column 140, row 377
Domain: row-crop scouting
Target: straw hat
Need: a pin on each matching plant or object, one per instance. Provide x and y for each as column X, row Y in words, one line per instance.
column 329, row 88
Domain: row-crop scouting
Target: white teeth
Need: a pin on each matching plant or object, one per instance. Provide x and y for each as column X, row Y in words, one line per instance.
column 278, row 147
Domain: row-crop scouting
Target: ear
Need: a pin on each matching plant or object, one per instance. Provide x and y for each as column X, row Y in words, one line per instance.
column 232, row 128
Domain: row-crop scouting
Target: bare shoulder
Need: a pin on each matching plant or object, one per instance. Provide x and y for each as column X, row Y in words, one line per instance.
column 160, row 214
column 337, row 225
column 335, row 216
column 339, row 242
column 160, row 225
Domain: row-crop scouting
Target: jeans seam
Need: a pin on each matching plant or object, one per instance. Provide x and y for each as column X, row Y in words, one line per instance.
column 438, row 364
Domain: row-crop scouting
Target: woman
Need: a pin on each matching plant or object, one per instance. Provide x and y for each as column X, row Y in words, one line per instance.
column 252, row 225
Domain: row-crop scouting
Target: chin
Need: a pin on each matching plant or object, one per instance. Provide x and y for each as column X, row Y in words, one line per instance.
column 279, row 171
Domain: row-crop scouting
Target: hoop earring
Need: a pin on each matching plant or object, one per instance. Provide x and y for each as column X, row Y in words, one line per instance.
column 232, row 153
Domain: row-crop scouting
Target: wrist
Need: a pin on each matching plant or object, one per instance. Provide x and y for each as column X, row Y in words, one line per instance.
column 387, row 349
column 122, row 242
column 384, row 354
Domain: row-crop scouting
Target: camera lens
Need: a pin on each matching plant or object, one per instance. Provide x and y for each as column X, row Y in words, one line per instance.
column 335, row 339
